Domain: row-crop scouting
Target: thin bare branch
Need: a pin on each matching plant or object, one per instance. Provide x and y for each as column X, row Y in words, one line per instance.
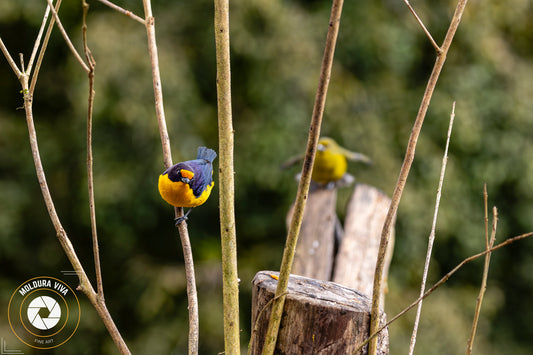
column 433, row 43
column 483, row 286
column 67, row 39
column 406, row 167
column 486, row 208
column 27, row 90
column 40, row 57
column 432, row 234
column 90, row 176
column 10, row 60
column 85, row 285
column 305, row 179
column 123, row 11
column 440, row 283
column 192, row 297
column 21, row 59
column 38, row 40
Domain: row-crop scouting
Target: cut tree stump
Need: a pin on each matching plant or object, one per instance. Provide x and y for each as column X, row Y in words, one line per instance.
column 319, row 317
column 355, row 262
column 316, row 242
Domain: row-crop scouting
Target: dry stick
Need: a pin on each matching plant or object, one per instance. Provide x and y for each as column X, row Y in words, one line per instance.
column 67, row 39
column 85, row 285
column 439, row 283
column 40, row 56
column 10, row 60
column 483, row 287
column 192, row 297
column 432, row 234
column 38, row 40
column 404, row 172
column 230, row 281
column 90, row 180
column 433, row 43
column 122, row 11
column 305, row 179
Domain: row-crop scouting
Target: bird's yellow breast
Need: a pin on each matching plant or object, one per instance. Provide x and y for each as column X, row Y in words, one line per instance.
column 328, row 167
column 180, row 194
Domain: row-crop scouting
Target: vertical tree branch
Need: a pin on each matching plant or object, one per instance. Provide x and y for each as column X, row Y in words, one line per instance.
column 483, row 286
column 192, row 297
column 431, row 239
column 406, row 166
column 90, row 180
column 230, row 281
column 305, row 179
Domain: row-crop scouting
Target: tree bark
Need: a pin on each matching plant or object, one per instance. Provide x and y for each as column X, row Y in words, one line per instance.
column 318, row 318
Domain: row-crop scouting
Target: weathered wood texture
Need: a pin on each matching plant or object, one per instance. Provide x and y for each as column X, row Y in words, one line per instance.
column 355, row 261
column 316, row 243
column 319, row 317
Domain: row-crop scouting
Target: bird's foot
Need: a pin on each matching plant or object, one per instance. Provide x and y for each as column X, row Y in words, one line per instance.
column 180, row 220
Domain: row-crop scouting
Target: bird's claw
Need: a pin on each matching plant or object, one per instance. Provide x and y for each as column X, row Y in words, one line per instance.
column 180, row 220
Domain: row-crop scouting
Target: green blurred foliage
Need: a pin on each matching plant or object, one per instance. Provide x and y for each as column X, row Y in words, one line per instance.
column 382, row 63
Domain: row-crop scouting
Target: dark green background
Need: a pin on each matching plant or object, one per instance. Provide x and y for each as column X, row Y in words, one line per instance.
column 382, row 64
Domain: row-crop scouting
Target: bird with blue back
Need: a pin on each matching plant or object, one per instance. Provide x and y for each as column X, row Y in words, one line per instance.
column 189, row 183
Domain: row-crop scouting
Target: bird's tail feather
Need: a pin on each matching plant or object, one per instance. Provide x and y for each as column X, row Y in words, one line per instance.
column 206, row 153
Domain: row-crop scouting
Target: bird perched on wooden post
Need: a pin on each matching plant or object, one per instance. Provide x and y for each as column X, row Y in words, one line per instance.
column 189, row 183
column 331, row 163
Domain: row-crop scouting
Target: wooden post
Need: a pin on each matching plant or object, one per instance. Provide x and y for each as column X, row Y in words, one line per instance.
column 319, row 317
column 358, row 250
column 355, row 261
column 316, row 243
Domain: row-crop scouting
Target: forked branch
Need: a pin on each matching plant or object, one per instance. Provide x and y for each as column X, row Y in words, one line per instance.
column 445, row 278
column 406, row 167
column 24, row 75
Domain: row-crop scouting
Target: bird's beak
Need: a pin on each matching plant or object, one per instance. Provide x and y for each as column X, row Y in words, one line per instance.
column 185, row 180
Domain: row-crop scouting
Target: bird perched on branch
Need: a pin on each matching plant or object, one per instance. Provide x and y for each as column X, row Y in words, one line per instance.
column 331, row 163
column 189, row 183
